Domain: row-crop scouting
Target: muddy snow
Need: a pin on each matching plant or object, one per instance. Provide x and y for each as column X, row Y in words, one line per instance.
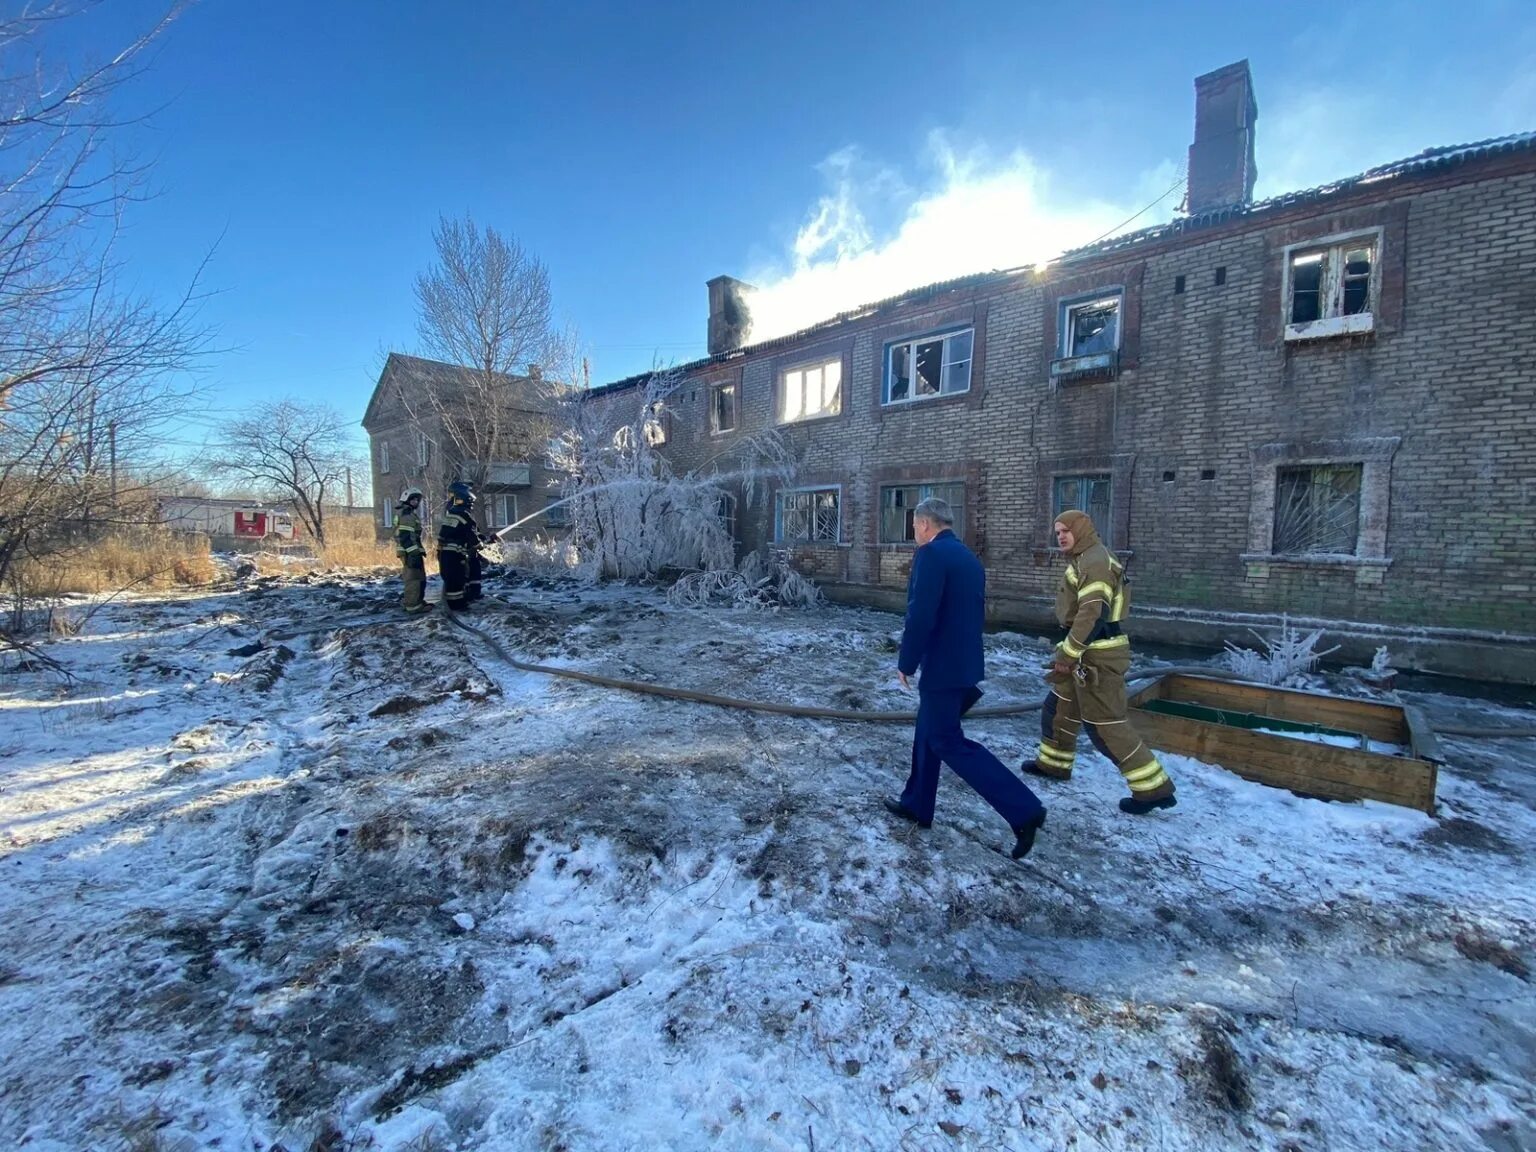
column 284, row 871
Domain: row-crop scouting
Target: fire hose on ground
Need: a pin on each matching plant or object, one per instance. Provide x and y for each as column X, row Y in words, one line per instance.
column 813, row 712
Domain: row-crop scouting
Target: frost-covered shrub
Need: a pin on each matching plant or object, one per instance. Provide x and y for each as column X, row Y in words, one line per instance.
column 759, row 582
column 1283, row 660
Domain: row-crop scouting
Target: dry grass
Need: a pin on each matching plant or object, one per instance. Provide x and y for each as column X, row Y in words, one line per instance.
column 352, row 542
column 140, row 559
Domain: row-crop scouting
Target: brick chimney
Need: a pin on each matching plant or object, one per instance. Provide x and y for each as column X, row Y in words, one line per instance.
column 730, row 319
column 1221, row 168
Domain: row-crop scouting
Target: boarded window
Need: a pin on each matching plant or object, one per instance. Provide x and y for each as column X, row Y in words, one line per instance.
column 1317, row 510
column 809, row 515
column 923, row 369
column 809, row 392
column 898, row 501
column 1090, row 494
column 722, row 408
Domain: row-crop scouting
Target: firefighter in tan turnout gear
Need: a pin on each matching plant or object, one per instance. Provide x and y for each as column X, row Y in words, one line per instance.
column 1087, row 676
column 409, row 547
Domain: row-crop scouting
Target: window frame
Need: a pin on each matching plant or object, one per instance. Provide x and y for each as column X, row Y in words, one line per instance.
column 781, row 392
column 1358, row 466
column 1068, row 305
column 924, row 490
column 423, row 449
column 714, row 407
column 778, row 515
column 944, row 335
column 1103, row 524
column 498, row 500
column 728, row 508
column 383, row 457
column 557, row 515
column 1332, row 320
column 389, row 514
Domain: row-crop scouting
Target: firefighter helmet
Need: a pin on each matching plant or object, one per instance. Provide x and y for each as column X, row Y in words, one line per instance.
column 411, row 494
column 460, row 490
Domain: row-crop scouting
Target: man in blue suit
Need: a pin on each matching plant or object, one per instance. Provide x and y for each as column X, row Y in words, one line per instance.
column 946, row 598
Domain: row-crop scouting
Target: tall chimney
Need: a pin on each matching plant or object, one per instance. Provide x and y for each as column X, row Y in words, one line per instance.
column 730, row 320
column 1221, row 168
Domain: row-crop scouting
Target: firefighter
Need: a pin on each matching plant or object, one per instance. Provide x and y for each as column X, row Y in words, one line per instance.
column 1087, row 675
column 457, row 540
column 476, row 561
column 408, row 546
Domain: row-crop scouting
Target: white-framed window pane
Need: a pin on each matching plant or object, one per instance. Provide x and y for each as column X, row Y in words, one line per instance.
column 389, row 514
column 899, row 378
column 1307, row 275
column 898, row 501
column 383, row 455
column 1357, row 266
column 928, row 362
column 958, row 346
column 832, row 388
column 809, row 516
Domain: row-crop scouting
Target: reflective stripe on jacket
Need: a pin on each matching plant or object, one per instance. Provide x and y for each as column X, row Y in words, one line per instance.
column 1091, row 603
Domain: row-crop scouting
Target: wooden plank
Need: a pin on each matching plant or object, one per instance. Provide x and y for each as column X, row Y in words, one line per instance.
column 1338, row 773
column 1382, row 722
column 1426, row 745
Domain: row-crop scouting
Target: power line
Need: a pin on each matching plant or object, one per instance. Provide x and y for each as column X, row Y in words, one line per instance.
column 1179, row 183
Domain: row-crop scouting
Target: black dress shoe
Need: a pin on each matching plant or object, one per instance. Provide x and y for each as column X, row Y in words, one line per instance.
column 1141, row 807
column 897, row 808
column 1024, row 837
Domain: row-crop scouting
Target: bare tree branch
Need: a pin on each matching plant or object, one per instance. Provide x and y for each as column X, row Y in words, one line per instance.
column 288, row 450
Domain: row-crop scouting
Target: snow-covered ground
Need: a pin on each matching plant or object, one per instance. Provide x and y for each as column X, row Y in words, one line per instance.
column 370, row 888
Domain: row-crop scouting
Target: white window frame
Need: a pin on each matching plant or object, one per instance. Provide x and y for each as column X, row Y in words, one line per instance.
column 1333, row 322
column 831, row 364
column 389, row 514
column 557, row 517
column 778, row 514
column 499, row 503
column 714, row 407
column 423, row 449
column 911, row 345
column 383, row 457
column 1116, row 295
column 728, row 509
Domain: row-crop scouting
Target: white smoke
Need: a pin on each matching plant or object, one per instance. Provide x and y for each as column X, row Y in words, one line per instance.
column 975, row 211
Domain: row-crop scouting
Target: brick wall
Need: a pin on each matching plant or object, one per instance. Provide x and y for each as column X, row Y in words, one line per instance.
column 1439, row 401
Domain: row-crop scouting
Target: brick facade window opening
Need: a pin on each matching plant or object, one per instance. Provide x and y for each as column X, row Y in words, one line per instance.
column 722, row 408
column 504, row 510
column 812, row 391
column 1317, row 510
column 1221, row 275
column 1178, row 285
column 726, row 510
column 384, row 458
column 657, row 427
column 1091, row 327
column 557, row 516
column 809, row 516
column 1331, row 289
column 423, row 449
column 1090, row 494
column 929, row 367
column 898, row 500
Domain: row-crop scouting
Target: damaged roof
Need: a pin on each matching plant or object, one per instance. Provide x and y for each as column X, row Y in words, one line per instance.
column 1430, row 160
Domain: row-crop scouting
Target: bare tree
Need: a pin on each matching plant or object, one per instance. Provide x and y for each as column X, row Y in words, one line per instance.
column 88, row 373
column 485, row 305
column 289, row 451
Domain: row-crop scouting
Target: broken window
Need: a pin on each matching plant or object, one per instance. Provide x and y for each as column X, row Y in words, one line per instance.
column 1317, row 510
column 657, row 425
column 935, row 366
column 1090, row 494
column 1091, row 327
column 1331, row 282
column 806, row 393
column 722, row 408
column 897, row 503
column 809, row 515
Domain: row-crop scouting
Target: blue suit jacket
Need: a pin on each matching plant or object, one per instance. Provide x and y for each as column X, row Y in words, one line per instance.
column 946, row 598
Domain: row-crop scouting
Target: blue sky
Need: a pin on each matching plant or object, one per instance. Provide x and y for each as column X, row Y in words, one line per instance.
column 821, row 149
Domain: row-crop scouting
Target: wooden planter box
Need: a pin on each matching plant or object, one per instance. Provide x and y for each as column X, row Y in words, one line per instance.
column 1372, row 751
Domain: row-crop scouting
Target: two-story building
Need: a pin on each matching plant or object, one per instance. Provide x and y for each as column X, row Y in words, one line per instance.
column 1322, row 405
column 429, row 424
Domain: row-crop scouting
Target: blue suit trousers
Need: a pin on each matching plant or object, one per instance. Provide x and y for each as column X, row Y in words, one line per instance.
column 939, row 739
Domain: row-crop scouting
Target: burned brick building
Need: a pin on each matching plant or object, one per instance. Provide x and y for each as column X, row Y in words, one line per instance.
column 1322, row 404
